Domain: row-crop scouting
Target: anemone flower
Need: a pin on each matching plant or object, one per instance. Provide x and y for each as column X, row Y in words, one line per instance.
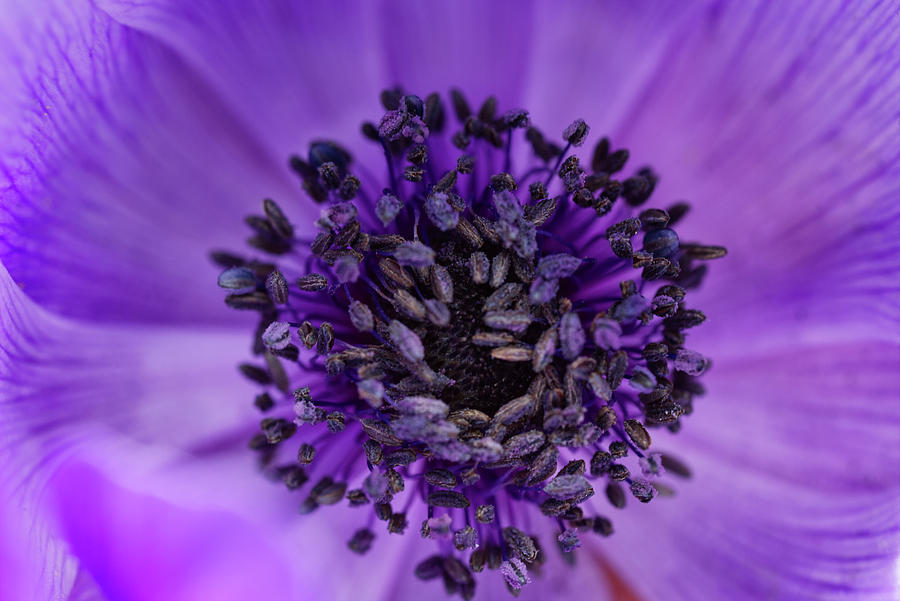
column 416, row 266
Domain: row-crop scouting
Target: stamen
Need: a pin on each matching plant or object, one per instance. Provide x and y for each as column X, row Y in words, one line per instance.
column 469, row 331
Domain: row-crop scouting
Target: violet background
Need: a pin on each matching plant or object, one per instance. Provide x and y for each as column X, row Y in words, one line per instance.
column 135, row 135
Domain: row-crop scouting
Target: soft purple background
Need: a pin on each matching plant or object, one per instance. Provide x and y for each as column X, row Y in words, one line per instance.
column 135, row 134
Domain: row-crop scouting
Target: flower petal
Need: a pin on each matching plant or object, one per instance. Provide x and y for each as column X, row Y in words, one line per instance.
column 35, row 566
column 120, row 170
column 780, row 123
column 481, row 47
column 795, row 487
column 131, row 420
column 65, row 385
column 824, row 406
column 292, row 72
column 142, row 545
column 61, row 379
column 591, row 59
column 85, row 588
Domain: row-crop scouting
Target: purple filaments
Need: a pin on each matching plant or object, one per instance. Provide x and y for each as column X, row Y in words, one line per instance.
column 475, row 343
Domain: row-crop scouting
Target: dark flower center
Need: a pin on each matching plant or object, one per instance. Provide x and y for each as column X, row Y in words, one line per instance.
column 465, row 329
column 478, row 384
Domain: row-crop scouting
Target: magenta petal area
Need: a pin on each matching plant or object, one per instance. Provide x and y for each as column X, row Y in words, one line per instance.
column 26, row 551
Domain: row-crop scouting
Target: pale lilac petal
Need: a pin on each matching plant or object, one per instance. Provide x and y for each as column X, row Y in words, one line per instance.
column 123, row 520
column 317, row 542
column 799, row 471
column 829, row 407
column 121, row 427
column 119, row 170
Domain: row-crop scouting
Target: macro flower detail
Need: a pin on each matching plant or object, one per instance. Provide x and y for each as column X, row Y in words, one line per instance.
column 493, row 330
column 136, row 135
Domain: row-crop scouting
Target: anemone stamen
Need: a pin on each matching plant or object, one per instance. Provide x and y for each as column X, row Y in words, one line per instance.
column 470, row 342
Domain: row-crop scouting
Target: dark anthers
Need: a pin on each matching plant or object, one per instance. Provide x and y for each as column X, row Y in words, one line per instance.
column 469, row 334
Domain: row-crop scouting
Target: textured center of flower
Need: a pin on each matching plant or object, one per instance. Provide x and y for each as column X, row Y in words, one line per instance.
column 463, row 329
column 477, row 383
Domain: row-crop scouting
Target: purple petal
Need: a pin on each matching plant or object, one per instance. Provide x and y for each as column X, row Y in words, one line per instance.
column 66, row 385
column 312, row 67
column 803, row 98
column 788, row 113
column 60, row 379
column 433, row 46
column 121, row 169
column 139, row 546
column 28, row 549
column 785, row 111
column 590, row 44
column 798, row 470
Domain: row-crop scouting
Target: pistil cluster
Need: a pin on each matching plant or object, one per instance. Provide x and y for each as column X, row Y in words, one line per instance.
column 468, row 343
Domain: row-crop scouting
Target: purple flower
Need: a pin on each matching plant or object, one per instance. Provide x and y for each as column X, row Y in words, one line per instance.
column 137, row 135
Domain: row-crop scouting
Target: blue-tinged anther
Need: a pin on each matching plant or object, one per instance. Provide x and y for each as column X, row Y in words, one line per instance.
column 607, row 333
column 515, row 118
column 414, row 105
column 414, row 254
column 328, row 152
column 690, row 362
column 237, row 278
column 661, row 243
column 559, row 265
column 642, row 490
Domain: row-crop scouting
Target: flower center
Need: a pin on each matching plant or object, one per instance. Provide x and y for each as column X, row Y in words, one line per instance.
column 477, row 383
column 479, row 338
